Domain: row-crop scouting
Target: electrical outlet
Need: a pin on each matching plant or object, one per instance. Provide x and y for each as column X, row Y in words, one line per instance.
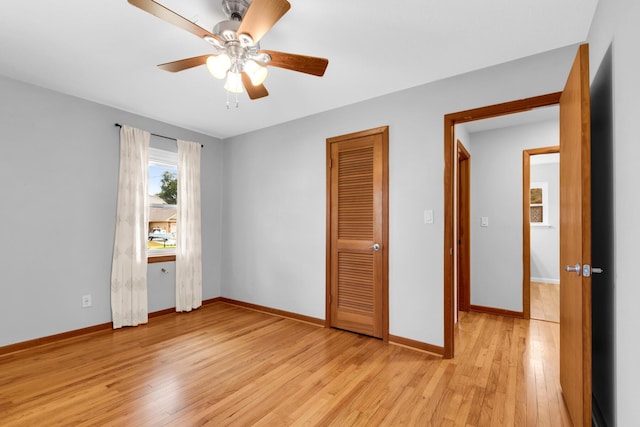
column 86, row 301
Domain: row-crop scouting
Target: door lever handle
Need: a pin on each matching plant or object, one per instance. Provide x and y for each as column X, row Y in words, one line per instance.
column 573, row 268
column 587, row 270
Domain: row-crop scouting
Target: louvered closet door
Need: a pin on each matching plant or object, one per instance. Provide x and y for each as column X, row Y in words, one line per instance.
column 356, row 227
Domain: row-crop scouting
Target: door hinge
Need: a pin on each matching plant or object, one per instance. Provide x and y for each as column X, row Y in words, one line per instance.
column 330, row 162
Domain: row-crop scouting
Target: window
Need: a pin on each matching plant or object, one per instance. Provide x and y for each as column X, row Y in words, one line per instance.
column 538, row 203
column 163, row 195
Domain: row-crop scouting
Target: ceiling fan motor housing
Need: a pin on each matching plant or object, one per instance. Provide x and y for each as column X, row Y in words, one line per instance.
column 235, row 9
column 231, row 43
column 226, row 30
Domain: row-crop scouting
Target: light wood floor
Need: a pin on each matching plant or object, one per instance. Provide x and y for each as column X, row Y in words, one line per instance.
column 226, row 365
column 545, row 301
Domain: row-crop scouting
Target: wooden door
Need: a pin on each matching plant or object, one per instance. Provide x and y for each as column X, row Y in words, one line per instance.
column 464, row 227
column 357, row 253
column 575, row 241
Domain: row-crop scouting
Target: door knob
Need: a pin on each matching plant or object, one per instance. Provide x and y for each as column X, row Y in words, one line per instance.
column 375, row 247
column 573, row 268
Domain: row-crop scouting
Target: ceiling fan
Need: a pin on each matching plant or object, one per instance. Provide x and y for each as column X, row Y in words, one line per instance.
column 239, row 58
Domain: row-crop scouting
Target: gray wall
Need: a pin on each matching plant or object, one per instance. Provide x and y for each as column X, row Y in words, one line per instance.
column 496, row 193
column 545, row 240
column 59, row 165
column 616, row 25
column 274, row 203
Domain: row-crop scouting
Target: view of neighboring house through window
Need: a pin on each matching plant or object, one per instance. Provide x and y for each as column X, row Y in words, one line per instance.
column 163, row 195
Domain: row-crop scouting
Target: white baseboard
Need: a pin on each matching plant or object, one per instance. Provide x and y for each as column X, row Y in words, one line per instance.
column 545, row 280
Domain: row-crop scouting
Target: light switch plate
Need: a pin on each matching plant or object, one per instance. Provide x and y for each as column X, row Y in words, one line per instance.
column 484, row 221
column 86, row 301
column 428, row 216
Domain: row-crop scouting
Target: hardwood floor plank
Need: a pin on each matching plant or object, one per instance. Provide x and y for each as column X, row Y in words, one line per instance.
column 227, row 365
column 545, row 301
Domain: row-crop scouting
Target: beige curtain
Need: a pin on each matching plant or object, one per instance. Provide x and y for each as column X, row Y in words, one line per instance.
column 129, row 267
column 189, row 241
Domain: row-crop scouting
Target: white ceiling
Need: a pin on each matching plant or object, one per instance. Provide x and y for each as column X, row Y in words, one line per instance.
column 107, row 51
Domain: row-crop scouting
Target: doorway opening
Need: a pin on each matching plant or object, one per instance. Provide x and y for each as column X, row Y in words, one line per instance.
column 541, row 233
column 450, row 151
column 500, row 235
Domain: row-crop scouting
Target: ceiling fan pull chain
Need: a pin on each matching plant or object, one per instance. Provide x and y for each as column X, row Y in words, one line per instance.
column 237, row 101
column 227, row 100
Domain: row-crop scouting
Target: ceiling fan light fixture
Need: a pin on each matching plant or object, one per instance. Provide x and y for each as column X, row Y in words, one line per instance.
column 234, row 83
column 219, row 65
column 256, row 73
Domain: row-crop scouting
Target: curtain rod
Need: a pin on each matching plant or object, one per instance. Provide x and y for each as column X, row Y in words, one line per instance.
column 159, row 136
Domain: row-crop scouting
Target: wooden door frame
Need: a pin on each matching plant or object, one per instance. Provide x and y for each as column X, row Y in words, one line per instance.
column 526, row 227
column 384, row 131
column 463, row 259
column 450, row 120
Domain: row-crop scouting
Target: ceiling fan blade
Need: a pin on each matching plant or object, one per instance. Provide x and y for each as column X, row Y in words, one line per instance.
column 261, row 16
column 171, row 17
column 254, row 92
column 301, row 63
column 184, row 64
